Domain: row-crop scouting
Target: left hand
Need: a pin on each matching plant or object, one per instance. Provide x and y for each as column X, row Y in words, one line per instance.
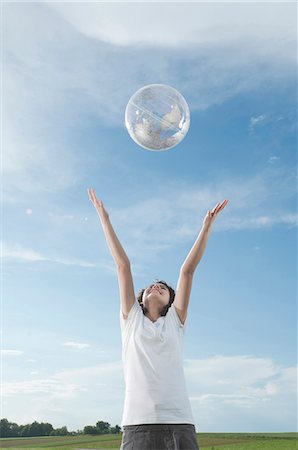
column 211, row 215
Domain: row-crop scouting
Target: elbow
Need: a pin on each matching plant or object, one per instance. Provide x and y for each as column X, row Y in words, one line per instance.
column 186, row 271
column 123, row 265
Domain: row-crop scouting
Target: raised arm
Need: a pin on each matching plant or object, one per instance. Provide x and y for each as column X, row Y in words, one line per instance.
column 126, row 288
column 192, row 260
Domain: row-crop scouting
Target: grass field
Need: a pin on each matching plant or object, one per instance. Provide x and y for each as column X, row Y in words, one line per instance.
column 207, row 441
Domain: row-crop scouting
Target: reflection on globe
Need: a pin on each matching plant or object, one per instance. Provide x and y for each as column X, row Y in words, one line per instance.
column 157, row 117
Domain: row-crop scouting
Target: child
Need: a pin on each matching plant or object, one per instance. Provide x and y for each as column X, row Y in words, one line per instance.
column 157, row 413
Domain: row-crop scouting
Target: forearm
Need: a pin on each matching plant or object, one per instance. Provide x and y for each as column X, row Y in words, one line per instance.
column 114, row 245
column 196, row 253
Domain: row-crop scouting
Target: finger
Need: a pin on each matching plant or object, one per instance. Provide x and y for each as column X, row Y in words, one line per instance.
column 223, row 204
column 94, row 196
column 90, row 194
column 98, row 201
column 215, row 209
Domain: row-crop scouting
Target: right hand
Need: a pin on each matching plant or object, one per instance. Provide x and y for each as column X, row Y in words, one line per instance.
column 98, row 205
column 211, row 215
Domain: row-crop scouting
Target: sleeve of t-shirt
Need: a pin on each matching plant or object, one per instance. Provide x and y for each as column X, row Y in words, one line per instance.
column 175, row 318
column 125, row 324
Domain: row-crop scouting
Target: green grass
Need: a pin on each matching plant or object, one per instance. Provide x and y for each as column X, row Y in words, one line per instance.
column 207, row 441
column 269, row 444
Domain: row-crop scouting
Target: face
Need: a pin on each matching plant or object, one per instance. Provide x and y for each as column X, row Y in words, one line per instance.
column 156, row 292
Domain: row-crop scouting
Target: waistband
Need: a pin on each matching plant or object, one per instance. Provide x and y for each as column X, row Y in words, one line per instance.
column 157, row 426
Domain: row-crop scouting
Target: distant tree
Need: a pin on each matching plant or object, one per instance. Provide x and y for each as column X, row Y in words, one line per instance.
column 103, row 427
column 89, row 429
column 8, row 429
column 15, row 430
column 11, row 429
column 46, row 429
column 24, row 430
column 61, row 431
column 4, row 428
column 115, row 430
column 35, row 429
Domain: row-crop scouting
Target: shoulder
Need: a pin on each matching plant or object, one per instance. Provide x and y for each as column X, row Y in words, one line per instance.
column 176, row 316
column 126, row 319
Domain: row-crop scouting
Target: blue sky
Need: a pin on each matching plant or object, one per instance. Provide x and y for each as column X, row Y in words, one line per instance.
column 68, row 73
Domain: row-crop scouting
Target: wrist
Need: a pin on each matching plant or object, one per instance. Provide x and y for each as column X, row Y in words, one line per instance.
column 104, row 220
column 206, row 228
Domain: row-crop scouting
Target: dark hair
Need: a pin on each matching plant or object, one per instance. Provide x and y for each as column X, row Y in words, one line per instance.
column 166, row 308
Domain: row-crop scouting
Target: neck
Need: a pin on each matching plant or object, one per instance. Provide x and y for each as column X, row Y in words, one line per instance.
column 153, row 312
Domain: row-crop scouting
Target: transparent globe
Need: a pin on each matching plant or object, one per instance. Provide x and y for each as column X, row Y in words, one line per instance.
column 157, row 117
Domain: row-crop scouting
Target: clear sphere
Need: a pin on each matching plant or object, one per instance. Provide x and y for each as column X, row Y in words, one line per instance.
column 157, row 117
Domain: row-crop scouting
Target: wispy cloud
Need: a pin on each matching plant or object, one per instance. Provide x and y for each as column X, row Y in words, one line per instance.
column 240, row 385
column 19, row 253
column 47, row 386
column 76, row 380
column 234, row 383
column 255, row 121
column 76, row 345
column 178, row 208
column 12, row 352
column 273, row 159
column 63, row 67
column 274, row 121
column 203, row 24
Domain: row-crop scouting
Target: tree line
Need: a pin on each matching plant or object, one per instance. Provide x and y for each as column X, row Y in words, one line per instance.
column 11, row 429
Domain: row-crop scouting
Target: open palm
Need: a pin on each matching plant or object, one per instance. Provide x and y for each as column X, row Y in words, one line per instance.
column 98, row 205
column 211, row 215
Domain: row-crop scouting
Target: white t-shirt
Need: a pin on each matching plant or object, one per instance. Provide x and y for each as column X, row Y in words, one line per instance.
column 153, row 369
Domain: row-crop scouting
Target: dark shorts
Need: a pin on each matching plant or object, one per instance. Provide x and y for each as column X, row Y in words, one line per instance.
column 173, row 436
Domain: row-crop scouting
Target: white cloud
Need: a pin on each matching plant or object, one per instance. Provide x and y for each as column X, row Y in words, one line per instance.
column 291, row 220
column 236, row 385
column 35, row 387
column 271, row 119
column 233, row 390
column 56, row 77
column 12, row 352
column 64, row 398
column 255, row 121
column 76, row 345
column 101, row 372
column 19, row 253
column 179, row 208
column 236, row 371
column 133, row 24
column 273, row 159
